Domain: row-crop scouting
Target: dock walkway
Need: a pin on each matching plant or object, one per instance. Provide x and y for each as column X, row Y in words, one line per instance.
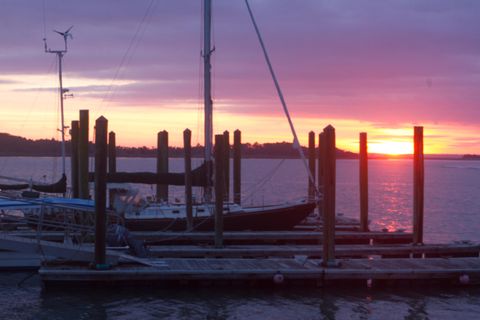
column 290, row 251
column 273, row 270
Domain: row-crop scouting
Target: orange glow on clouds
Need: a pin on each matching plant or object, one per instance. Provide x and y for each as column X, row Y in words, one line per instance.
column 34, row 114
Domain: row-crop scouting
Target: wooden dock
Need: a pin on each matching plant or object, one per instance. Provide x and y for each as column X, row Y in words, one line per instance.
column 248, row 237
column 32, row 259
column 316, row 251
column 277, row 237
column 452, row 270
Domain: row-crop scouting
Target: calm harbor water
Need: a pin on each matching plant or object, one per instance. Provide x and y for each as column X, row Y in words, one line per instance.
column 452, row 213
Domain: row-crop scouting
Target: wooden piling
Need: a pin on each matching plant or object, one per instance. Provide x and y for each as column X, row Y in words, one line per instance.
column 162, row 164
column 101, row 125
column 418, row 185
column 74, row 132
column 83, row 156
column 226, row 175
column 311, row 165
column 187, row 147
column 112, row 165
column 112, row 153
column 321, row 161
column 329, row 184
column 219, row 189
column 363, row 160
column 237, row 166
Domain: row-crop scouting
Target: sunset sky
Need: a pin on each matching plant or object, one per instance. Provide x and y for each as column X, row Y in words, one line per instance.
column 374, row 66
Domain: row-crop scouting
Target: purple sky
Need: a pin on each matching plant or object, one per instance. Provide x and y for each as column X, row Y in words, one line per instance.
column 385, row 62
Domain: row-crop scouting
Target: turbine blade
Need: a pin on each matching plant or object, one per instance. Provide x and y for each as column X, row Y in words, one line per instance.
column 60, row 33
column 68, row 30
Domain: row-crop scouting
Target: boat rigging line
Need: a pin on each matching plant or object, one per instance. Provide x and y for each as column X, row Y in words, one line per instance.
column 263, row 181
column 296, row 143
column 139, row 31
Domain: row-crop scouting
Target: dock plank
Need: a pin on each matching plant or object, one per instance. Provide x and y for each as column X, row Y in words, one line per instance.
column 310, row 250
column 312, row 237
column 248, row 269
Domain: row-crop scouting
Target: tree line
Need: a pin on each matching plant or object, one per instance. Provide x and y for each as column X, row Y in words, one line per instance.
column 11, row 145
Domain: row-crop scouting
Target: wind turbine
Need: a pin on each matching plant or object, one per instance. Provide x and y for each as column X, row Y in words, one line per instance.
column 60, row 53
column 66, row 34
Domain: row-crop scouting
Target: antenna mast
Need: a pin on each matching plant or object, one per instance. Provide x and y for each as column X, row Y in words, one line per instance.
column 63, row 95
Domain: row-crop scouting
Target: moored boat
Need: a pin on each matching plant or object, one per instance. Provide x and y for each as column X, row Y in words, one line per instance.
column 171, row 217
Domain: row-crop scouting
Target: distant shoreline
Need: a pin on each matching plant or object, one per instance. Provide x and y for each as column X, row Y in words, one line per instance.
column 15, row 146
column 459, row 158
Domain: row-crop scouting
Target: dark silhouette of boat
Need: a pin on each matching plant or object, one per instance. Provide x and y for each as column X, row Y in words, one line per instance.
column 171, row 217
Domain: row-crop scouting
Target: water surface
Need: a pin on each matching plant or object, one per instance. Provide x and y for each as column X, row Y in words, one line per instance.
column 452, row 213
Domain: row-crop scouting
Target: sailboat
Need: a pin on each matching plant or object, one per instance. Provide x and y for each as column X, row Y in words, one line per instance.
column 166, row 216
column 152, row 216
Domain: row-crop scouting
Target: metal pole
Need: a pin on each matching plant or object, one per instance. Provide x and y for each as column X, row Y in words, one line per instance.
column 62, row 125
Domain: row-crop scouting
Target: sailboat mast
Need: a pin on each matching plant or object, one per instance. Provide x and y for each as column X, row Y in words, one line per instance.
column 62, row 124
column 207, row 51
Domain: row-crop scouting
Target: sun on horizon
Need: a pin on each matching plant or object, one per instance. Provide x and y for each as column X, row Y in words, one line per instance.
column 391, row 148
